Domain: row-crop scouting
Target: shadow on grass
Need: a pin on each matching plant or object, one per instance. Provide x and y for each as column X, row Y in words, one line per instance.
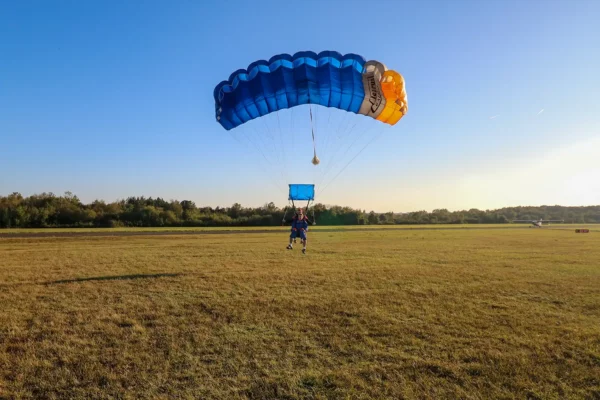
column 113, row 278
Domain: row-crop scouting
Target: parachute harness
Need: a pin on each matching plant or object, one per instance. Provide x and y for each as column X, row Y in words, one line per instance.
column 293, row 207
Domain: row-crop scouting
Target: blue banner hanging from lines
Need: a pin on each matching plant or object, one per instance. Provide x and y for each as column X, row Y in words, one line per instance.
column 302, row 192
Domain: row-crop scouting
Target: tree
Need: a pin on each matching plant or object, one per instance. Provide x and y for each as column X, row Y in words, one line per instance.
column 235, row 210
column 168, row 218
column 270, row 207
column 188, row 205
column 372, row 218
column 176, row 208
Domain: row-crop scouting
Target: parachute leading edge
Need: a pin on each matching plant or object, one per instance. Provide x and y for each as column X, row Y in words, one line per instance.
column 329, row 79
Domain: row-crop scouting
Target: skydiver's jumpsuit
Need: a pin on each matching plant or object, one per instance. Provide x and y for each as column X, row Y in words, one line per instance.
column 299, row 227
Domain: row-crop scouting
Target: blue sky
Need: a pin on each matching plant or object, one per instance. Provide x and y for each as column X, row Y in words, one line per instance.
column 111, row 99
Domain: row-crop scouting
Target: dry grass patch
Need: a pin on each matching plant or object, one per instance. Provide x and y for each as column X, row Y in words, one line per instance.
column 381, row 314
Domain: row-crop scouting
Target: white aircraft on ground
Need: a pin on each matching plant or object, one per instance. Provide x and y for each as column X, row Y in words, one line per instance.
column 538, row 223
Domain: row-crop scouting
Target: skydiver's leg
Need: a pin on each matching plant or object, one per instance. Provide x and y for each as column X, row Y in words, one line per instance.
column 304, row 240
column 292, row 238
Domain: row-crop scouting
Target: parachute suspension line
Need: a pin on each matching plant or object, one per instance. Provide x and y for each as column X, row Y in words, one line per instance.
column 353, row 158
column 338, row 148
column 292, row 128
column 277, row 147
column 342, row 127
column 359, row 133
column 328, row 137
column 269, row 168
column 261, row 140
column 319, row 133
column 278, row 159
column 324, row 133
column 271, row 137
column 334, row 160
column 273, row 163
column 334, row 136
column 258, row 141
column 316, row 124
column 326, row 143
column 249, row 137
column 315, row 159
column 268, row 135
column 274, row 182
column 285, row 210
column 284, row 163
column 268, row 171
column 313, row 211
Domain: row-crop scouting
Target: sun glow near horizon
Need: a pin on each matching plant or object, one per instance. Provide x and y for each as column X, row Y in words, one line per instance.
column 568, row 176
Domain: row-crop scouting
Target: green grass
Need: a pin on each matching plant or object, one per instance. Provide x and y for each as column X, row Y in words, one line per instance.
column 511, row 313
column 130, row 229
column 280, row 228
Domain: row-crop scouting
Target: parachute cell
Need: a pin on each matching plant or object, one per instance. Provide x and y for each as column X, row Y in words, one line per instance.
column 329, row 79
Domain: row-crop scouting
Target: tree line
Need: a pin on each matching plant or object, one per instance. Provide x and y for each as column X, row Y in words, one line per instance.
column 49, row 210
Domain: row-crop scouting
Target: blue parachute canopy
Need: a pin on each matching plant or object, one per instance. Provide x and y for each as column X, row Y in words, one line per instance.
column 302, row 192
column 329, row 79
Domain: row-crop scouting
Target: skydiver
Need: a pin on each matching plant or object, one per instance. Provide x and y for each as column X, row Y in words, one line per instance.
column 299, row 228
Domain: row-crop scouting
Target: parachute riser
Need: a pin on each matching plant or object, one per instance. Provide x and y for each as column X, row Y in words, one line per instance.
column 285, row 211
column 313, row 212
column 283, row 221
column 302, row 192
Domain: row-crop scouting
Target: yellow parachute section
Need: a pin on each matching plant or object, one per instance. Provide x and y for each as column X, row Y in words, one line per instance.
column 394, row 91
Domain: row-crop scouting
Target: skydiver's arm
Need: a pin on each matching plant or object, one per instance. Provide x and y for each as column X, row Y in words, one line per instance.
column 309, row 222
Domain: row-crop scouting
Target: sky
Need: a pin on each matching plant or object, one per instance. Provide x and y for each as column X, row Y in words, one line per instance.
column 110, row 99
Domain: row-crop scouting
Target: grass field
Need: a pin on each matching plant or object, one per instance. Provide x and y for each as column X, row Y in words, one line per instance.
column 595, row 227
column 382, row 314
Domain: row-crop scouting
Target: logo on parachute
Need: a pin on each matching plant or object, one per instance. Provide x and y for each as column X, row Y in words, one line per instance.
column 375, row 96
column 374, row 101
